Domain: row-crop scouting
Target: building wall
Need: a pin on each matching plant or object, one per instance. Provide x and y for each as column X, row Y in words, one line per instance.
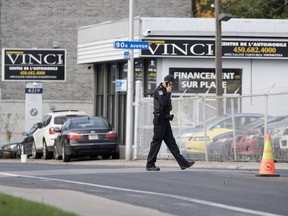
column 16, row 110
column 34, row 23
column 39, row 23
column 259, row 76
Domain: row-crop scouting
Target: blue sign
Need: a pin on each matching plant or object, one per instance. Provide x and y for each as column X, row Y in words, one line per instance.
column 126, row 55
column 121, row 85
column 33, row 90
column 143, row 45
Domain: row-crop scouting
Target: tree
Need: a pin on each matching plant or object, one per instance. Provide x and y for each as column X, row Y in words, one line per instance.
column 268, row 9
column 202, row 8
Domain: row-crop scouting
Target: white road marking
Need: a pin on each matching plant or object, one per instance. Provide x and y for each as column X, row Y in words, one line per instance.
column 203, row 202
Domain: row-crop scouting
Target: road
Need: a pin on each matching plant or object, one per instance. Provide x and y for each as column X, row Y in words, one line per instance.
column 119, row 190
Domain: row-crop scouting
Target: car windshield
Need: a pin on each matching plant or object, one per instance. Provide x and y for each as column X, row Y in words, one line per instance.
column 95, row 123
column 211, row 121
column 61, row 119
column 33, row 129
column 259, row 122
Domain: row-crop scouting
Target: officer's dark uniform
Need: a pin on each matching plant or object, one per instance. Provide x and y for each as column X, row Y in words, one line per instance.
column 162, row 129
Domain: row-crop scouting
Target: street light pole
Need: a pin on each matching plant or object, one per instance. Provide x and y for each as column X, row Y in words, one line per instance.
column 130, row 81
column 218, row 53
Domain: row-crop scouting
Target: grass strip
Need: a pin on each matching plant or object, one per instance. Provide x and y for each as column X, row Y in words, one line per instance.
column 14, row 206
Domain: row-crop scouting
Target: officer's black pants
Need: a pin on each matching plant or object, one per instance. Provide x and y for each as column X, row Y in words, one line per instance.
column 162, row 131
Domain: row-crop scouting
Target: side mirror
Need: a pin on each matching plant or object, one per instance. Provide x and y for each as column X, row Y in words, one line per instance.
column 39, row 125
column 24, row 134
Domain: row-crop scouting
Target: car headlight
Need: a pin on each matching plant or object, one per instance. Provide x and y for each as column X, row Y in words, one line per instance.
column 250, row 137
column 183, row 138
column 13, row 147
column 200, row 138
column 222, row 140
column 275, row 131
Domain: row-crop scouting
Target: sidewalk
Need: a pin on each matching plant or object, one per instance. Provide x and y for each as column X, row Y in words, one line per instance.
column 171, row 163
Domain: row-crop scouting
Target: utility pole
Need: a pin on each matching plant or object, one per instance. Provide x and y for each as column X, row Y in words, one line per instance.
column 219, row 17
column 130, row 81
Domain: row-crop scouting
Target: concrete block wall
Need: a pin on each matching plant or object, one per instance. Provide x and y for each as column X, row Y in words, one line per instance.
column 37, row 24
column 16, row 110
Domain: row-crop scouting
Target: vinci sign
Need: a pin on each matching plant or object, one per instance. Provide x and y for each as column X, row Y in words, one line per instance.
column 33, row 64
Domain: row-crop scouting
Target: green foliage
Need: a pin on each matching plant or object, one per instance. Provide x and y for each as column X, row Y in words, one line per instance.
column 205, row 7
column 268, row 9
column 12, row 206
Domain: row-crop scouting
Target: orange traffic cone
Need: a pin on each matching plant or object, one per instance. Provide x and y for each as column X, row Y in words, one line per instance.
column 267, row 168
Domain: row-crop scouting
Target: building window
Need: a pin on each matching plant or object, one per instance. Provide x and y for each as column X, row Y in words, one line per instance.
column 150, row 76
column 100, row 77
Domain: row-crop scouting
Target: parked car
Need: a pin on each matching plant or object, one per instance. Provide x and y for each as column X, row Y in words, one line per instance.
column 197, row 142
column 86, row 136
column 251, row 146
column 249, row 140
column 224, row 121
column 11, row 150
column 26, row 145
column 276, row 132
column 284, row 144
column 45, row 136
column 220, row 147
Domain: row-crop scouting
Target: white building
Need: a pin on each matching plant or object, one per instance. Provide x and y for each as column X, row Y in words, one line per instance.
column 255, row 59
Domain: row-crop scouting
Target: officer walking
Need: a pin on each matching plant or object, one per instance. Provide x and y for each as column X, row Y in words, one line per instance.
column 162, row 128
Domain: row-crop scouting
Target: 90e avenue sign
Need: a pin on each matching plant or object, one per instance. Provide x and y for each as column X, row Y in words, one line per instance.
column 33, row 64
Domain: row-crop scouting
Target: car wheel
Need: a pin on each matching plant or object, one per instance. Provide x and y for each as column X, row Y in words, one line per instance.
column 258, row 157
column 106, row 156
column 35, row 154
column 276, row 153
column 16, row 155
column 56, row 154
column 46, row 153
column 226, row 153
column 65, row 157
column 116, row 155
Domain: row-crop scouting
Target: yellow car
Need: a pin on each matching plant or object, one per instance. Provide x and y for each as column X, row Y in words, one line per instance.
column 196, row 142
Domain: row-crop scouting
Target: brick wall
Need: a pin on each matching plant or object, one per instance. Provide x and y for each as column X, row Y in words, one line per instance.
column 37, row 23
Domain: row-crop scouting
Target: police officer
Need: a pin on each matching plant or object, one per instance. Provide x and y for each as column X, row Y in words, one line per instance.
column 162, row 128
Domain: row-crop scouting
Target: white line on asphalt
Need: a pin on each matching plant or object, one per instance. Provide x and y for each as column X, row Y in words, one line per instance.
column 203, row 202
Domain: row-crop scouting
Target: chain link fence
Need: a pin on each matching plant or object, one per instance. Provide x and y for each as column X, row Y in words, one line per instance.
column 200, row 133
column 228, row 128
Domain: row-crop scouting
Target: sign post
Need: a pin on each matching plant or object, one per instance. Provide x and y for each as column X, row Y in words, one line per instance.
column 130, row 45
column 130, row 77
column 33, row 104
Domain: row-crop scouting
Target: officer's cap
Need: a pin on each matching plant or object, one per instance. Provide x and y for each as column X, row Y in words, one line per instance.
column 169, row 78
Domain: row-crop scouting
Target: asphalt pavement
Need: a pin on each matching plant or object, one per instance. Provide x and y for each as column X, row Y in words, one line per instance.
column 88, row 205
